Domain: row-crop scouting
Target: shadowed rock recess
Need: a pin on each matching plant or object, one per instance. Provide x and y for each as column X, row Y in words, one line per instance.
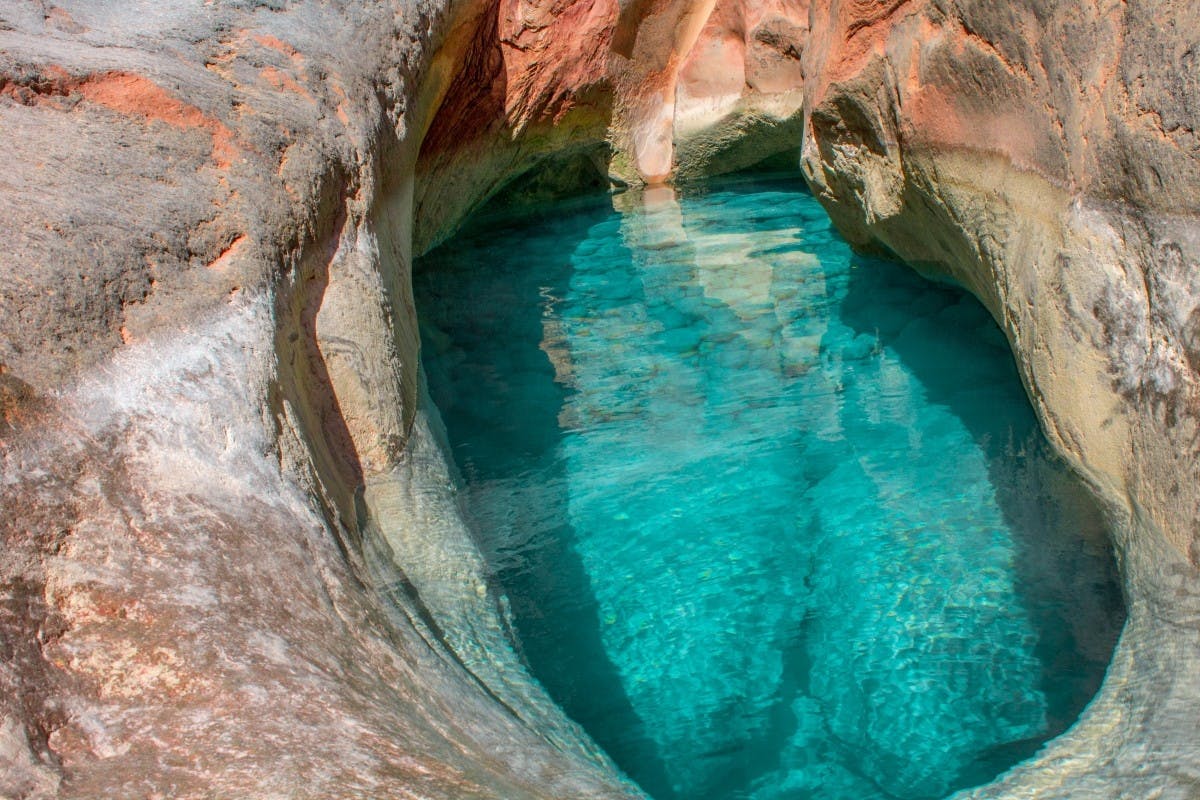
column 234, row 561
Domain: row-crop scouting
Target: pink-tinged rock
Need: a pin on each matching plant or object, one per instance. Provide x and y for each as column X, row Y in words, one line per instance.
column 1045, row 157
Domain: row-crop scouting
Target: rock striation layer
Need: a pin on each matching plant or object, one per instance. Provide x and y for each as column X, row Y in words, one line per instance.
column 234, row 564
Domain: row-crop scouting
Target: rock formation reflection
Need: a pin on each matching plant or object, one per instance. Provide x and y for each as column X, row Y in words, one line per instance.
column 775, row 521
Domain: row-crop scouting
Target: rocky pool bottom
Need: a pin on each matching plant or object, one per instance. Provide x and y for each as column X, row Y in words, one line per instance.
column 774, row 520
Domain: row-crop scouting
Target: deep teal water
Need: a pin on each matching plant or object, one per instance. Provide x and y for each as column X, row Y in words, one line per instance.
column 775, row 521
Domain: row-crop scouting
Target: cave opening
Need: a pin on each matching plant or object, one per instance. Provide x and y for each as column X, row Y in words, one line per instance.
column 774, row 520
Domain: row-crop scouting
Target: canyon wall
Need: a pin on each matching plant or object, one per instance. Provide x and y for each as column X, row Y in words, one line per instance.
column 1045, row 156
column 593, row 90
column 234, row 564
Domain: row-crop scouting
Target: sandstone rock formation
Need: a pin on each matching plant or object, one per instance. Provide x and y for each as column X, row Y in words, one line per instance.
column 234, row 565
column 1045, row 156
column 636, row 93
column 231, row 565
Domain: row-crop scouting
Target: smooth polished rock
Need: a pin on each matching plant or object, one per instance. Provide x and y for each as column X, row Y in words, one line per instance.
column 1044, row 156
column 232, row 563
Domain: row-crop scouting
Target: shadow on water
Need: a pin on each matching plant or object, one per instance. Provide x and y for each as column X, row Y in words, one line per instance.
column 532, row 549
column 1064, row 568
column 670, row 271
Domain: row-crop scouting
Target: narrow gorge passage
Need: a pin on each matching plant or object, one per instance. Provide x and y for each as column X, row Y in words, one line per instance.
column 774, row 520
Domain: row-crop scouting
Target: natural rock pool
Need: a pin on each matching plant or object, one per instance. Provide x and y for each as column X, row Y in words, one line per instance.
column 775, row 521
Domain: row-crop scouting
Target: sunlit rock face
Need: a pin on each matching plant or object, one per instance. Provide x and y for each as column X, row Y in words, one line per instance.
column 1047, row 159
column 640, row 92
column 1044, row 155
column 233, row 564
column 231, row 560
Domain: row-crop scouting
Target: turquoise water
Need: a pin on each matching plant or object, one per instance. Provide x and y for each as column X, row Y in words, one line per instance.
column 775, row 521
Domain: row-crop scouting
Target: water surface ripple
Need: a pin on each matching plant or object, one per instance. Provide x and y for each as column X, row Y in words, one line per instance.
column 775, row 521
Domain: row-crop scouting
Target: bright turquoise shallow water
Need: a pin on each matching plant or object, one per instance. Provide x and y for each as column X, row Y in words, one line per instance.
column 775, row 521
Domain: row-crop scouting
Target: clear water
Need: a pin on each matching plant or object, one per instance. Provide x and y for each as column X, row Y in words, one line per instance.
column 775, row 521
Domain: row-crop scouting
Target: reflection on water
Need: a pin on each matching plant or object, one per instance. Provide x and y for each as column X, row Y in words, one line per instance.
column 775, row 521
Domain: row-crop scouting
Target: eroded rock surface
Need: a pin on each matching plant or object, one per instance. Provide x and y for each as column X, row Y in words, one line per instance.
column 641, row 91
column 233, row 561
column 1045, row 155
column 233, row 564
